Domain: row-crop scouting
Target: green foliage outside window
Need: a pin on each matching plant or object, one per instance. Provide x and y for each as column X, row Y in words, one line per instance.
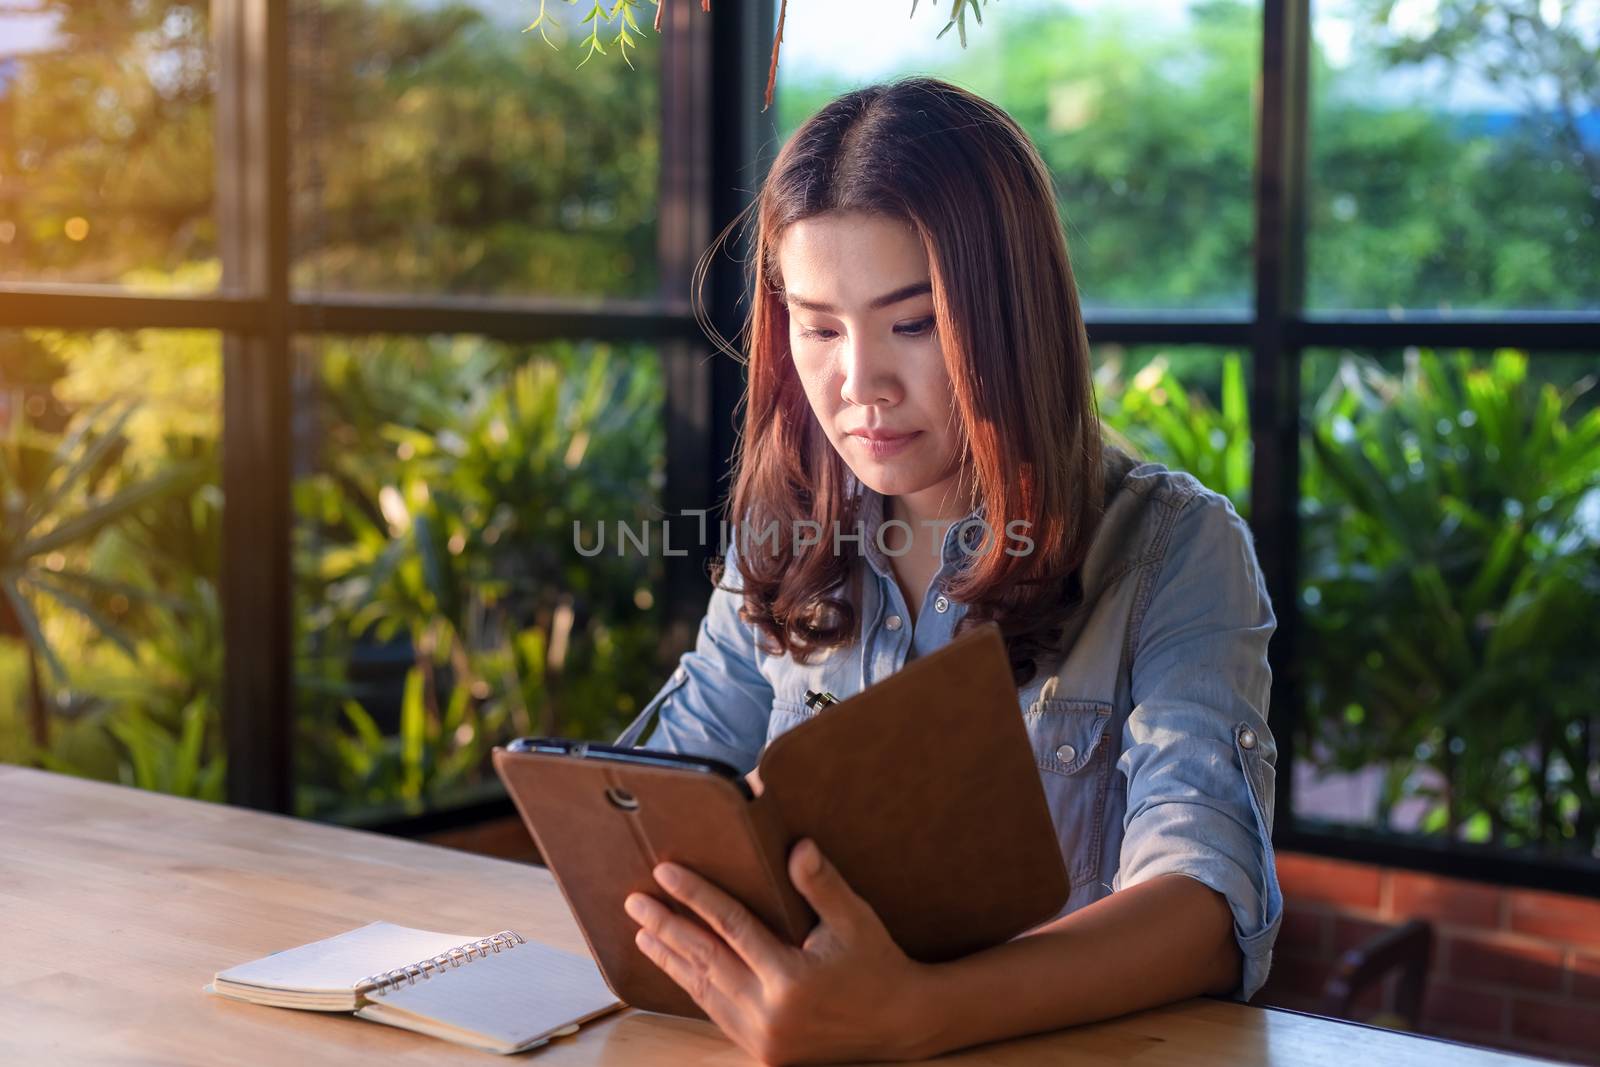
column 440, row 517
column 1450, row 581
column 111, row 654
column 439, row 150
column 1186, row 410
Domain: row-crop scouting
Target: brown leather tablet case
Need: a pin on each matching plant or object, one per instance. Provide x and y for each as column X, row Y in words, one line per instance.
column 921, row 789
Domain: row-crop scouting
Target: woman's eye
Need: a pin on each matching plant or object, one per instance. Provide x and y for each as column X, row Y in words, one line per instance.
column 910, row 329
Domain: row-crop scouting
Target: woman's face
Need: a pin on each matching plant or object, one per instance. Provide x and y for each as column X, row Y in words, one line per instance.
column 862, row 336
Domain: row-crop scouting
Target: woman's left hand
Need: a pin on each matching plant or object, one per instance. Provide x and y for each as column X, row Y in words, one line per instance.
column 848, row 992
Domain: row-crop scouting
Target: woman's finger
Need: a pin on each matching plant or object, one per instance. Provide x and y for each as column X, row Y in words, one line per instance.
column 837, row 905
column 697, row 948
column 696, row 981
column 747, row 935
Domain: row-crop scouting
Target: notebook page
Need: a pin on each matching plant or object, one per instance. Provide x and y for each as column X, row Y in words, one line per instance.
column 336, row 964
column 511, row 997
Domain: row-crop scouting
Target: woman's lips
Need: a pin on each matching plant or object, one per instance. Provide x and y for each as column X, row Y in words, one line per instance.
column 881, row 446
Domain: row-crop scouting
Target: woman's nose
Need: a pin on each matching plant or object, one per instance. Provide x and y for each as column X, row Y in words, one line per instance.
column 869, row 376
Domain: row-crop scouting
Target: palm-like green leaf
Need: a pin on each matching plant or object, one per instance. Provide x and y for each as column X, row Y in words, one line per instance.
column 70, row 531
column 71, row 474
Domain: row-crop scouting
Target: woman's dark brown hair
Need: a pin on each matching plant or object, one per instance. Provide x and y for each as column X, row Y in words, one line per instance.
column 972, row 185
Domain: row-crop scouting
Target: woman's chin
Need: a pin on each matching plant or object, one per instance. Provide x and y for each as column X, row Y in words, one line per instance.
column 890, row 478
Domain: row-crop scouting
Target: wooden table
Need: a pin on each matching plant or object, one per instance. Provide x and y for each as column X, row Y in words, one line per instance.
column 117, row 905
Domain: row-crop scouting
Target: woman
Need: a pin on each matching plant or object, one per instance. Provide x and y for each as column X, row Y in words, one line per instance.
column 919, row 390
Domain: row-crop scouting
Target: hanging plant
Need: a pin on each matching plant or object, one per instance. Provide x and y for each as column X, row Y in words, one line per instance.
column 620, row 16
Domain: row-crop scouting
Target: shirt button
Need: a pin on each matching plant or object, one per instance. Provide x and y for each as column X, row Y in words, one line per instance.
column 1066, row 753
column 892, row 622
column 941, row 604
column 1247, row 738
column 679, row 675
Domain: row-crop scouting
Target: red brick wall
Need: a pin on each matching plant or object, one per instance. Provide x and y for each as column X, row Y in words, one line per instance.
column 1513, row 968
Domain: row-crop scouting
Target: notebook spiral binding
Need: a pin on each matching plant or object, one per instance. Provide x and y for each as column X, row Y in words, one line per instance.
column 380, row 984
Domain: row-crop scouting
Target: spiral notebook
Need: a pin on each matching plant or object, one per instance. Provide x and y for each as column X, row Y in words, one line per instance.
column 500, row 993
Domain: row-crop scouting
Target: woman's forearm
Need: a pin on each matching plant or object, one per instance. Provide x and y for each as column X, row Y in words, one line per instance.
column 1153, row 943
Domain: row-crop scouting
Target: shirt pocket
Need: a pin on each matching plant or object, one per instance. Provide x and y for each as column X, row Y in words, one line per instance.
column 1070, row 748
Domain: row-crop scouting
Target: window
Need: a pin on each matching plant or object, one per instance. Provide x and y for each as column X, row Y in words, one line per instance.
column 1450, row 576
column 1338, row 217
column 439, row 149
column 451, row 493
column 110, row 633
column 106, row 116
column 377, row 272
column 1443, row 480
column 1455, row 156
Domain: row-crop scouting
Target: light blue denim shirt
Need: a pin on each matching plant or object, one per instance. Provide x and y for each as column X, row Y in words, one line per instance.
column 1150, row 734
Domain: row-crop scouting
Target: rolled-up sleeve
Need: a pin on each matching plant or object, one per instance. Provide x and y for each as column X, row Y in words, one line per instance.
column 716, row 702
column 1197, row 753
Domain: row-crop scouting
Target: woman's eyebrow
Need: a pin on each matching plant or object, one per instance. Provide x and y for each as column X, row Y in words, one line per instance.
column 905, row 292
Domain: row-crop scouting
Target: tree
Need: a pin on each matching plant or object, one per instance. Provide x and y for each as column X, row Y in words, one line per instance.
column 106, row 142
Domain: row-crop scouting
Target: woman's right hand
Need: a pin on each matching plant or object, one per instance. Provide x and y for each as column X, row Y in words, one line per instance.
column 754, row 778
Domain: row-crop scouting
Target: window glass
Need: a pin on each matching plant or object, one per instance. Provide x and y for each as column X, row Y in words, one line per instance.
column 448, row 496
column 1450, row 579
column 1454, row 155
column 110, row 538
column 106, row 173
column 440, row 149
column 1183, row 406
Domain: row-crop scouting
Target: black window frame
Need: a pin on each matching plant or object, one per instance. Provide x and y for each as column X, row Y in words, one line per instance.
column 716, row 144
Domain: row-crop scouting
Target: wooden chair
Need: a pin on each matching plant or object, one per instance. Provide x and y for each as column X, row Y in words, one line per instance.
column 1403, row 949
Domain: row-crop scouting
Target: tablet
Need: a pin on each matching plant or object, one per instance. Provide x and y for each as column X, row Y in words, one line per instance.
column 603, row 817
column 922, row 790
